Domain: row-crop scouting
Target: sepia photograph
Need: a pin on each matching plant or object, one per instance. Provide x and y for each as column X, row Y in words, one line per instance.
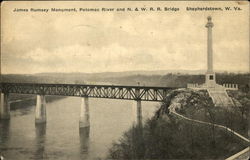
column 119, row 80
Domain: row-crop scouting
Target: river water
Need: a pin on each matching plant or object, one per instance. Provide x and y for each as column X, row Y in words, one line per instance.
column 21, row 139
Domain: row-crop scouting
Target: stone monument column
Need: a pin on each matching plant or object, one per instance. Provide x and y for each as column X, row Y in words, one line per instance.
column 209, row 26
column 210, row 75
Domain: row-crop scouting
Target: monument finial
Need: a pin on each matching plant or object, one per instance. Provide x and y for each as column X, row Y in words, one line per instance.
column 209, row 18
column 209, row 23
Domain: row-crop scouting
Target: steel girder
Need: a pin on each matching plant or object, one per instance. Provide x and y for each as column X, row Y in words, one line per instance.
column 143, row 93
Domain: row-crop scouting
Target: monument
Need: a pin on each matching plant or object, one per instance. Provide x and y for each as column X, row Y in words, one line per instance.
column 216, row 91
column 210, row 75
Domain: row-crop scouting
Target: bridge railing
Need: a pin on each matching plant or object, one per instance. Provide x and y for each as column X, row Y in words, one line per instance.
column 144, row 93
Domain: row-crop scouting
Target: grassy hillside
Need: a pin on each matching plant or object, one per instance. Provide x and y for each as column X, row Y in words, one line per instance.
column 198, row 105
column 166, row 136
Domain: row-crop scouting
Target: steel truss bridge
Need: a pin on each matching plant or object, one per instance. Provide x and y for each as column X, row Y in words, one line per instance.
column 143, row 93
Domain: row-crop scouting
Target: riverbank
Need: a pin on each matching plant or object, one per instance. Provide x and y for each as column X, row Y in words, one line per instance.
column 18, row 101
column 169, row 136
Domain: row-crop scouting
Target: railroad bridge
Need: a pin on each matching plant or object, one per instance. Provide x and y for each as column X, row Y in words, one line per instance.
column 136, row 93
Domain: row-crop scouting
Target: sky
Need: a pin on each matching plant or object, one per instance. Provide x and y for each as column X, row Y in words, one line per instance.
column 34, row 42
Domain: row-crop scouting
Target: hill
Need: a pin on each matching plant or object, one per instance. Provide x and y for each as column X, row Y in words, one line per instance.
column 150, row 78
column 168, row 136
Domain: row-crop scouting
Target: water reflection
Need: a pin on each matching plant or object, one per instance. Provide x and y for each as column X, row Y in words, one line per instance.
column 20, row 139
column 40, row 141
column 4, row 131
column 84, row 142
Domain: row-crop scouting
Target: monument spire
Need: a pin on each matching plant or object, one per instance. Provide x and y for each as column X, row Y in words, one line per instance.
column 209, row 26
column 210, row 75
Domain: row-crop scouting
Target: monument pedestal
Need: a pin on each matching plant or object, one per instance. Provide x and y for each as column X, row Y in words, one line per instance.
column 210, row 80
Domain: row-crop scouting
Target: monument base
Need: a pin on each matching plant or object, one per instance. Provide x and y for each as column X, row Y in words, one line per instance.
column 217, row 92
column 210, row 80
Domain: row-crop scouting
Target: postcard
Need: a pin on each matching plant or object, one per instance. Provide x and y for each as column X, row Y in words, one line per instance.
column 124, row 80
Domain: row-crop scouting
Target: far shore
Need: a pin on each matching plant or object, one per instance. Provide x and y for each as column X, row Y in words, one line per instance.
column 25, row 101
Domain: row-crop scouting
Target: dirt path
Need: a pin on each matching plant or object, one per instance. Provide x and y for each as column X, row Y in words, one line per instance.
column 242, row 155
column 216, row 125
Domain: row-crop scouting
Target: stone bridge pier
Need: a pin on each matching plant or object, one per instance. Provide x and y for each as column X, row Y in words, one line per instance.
column 4, row 106
column 84, row 113
column 137, row 109
column 84, row 121
column 137, row 112
column 40, row 116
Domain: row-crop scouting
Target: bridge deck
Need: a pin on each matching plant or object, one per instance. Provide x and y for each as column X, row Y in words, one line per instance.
column 144, row 93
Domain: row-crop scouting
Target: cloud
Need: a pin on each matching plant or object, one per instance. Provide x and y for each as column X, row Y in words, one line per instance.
column 96, row 42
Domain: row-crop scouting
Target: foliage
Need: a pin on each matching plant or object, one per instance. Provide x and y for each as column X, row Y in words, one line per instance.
column 174, row 139
column 166, row 136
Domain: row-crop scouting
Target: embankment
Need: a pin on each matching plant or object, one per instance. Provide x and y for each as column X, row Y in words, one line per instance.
column 179, row 136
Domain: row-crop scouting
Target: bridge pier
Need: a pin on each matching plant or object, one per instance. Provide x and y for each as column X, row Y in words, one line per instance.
column 4, row 106
column 40, row 109
column 84, row 114
column 138, row 113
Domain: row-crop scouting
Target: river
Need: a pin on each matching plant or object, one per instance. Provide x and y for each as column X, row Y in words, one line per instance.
column 21, row 139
